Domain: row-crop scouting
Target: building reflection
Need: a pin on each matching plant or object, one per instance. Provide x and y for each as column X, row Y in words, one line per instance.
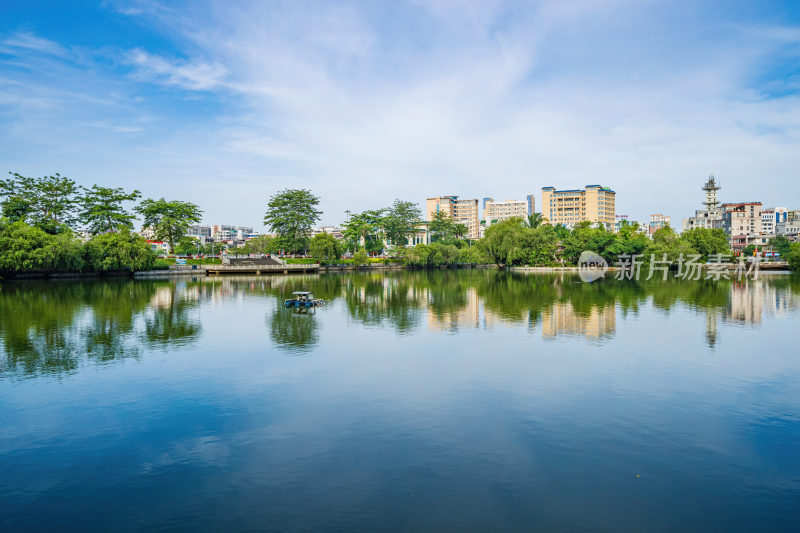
column 562, row 319
column 452, row 319
column 750, row 302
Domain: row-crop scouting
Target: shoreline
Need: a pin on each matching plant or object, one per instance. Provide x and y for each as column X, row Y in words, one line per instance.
column 203, row 270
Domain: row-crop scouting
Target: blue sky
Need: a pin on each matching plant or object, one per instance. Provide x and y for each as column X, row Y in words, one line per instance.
column 225, row 103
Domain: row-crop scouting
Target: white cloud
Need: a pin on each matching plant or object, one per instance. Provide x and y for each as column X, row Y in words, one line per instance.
column 21, row 42
column 192, row 75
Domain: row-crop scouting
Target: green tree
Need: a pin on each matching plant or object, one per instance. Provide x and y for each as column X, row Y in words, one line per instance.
column 325, row 248
column 667, row 243
column 26, row 248
column 291, row 214
column 418, row 255
column 121, row 250
column 707, row 242
column 781, row 245
column 749, row 250
column 102, row 209
column 15, row 209
column 629, row 241
column 442, row 255
column 169, row 220
column 541, row 245
column 503, row 242
column 365, row 229
column 585, row 236
column 562, row 231
column 472, row 255
column 399, row 221
column 47, row 202
column 360, row 258
column 187, row 246
column 535, row 220
column 442, row 226
column 460, row 231
column 793, row 257
column 263, row 244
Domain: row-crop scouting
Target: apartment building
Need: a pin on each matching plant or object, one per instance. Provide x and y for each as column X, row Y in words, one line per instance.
column 461, row 211
column 594, row 203
column 768, row 220
column 657, row 222
column 790, row 225
column 740, row 220
column 224, row 232
column 335, row 231
column 494, row 212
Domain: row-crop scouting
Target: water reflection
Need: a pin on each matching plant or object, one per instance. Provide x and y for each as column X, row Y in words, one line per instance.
column 50, row 327
column 295, row 330
column 561, row 319
column 169, row 322
column 556, row 304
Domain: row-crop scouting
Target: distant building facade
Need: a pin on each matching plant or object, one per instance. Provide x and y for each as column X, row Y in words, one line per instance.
column 768, row 220
column 790, row 226
column 461, row 211
column 657, row 222
column 335, row 231
column 740, row 221
column 593, row 203
column 494, row 212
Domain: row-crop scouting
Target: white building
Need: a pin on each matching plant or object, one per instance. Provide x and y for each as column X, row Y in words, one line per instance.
column 768, row 220
column 494, row 212
column 337, row 232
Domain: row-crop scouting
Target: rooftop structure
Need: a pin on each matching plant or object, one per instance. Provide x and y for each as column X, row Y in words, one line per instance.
column 711, row 216
column 711, row 189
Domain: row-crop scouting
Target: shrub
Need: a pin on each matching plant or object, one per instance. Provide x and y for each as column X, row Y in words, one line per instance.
column 28, row 248
column 472, row 256
column 119, row 251
column 360, row 258
column 325, row 248
column 794, row 256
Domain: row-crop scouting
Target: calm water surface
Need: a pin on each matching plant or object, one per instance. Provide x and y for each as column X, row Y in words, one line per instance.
column 441, row 401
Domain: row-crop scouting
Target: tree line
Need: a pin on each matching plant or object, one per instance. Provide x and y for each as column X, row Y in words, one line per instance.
column 39, row 217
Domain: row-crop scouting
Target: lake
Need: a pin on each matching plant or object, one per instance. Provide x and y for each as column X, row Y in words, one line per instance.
column 466, row 400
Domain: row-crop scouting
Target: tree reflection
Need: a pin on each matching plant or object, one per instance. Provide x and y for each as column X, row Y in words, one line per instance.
column 168, row 322
column 377, row 299
column 294, row 329
column 50, row 327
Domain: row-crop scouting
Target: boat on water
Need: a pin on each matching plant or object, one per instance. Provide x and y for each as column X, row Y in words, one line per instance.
column 303, row 299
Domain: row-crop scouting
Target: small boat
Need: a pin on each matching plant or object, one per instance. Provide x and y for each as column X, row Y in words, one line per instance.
column 303, row 299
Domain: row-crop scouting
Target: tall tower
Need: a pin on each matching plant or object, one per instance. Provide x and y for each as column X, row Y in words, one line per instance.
column 711, row 189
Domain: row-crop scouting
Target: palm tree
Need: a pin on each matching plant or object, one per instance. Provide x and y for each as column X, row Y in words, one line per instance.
column 460, row 231
column 535, row 220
